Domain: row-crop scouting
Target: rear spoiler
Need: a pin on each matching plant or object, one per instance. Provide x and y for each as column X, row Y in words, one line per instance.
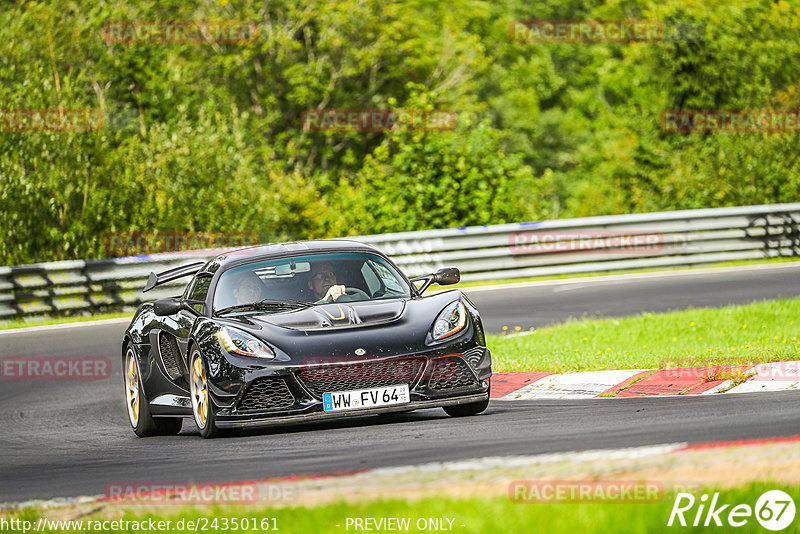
column 173, row 274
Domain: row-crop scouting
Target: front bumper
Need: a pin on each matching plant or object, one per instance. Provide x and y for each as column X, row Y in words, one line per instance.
column 295, row 393
column 274, row 420
column 281, row 394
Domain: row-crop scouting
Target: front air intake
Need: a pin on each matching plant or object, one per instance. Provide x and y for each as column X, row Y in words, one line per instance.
column 270, row 393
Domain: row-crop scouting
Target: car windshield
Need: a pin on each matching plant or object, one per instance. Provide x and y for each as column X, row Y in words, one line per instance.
column 297, row 282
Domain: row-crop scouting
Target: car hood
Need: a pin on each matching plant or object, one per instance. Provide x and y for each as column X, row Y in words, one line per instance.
column 380, row 328
column 326, row 316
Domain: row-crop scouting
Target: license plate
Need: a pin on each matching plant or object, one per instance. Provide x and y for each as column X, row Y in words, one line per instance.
column 365, row 398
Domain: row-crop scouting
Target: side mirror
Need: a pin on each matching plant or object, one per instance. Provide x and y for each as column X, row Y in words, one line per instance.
column 447, row 276
column 444, row 277
column 169, row 306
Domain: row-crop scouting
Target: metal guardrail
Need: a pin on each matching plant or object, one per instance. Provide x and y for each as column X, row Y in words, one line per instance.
column 592, row 244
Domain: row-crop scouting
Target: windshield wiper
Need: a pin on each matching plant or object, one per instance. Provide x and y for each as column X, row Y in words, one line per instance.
column 284, row 302
column 267, row 304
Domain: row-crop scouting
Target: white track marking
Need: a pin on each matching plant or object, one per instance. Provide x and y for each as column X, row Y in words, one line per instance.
column 63, row 326
column 721, row 388
column 775, row 376
column 475, row 464
column 752, row 386
column 632, row 276
column 583, row 385
column 581, row 280
column 490, row 462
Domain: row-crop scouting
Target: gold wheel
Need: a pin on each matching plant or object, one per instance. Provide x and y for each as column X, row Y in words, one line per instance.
column 199, row 391
column 132, row 389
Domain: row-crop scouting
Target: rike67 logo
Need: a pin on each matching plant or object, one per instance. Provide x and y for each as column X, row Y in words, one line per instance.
column 774, row 510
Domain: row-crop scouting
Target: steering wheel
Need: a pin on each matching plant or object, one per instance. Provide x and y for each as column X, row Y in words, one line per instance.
column 354, row 292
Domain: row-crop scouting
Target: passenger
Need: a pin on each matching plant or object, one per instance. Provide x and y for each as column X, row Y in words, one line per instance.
column 248, row 288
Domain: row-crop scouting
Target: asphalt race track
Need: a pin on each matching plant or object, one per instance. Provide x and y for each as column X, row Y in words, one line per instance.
column 70, row 438
column 622, row 296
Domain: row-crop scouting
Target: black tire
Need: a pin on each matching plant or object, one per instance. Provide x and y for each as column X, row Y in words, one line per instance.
column 168, row 426
column 472, row 408
column 204, row 417
column 138, row 409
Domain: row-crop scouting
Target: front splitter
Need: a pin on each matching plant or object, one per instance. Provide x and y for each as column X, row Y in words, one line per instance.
column 331, row 416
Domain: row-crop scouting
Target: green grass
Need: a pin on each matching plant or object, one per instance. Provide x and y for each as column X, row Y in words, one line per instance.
column 490, row 515
column 755, row 333
column 62, row 320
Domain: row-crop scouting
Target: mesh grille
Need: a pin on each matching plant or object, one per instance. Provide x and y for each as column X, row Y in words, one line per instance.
column 266, row 394
column 473, row 356
column 168, row 347
column 363, row 375
column 450, row 373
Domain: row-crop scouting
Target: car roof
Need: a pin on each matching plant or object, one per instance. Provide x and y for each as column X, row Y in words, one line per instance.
column 277, row 250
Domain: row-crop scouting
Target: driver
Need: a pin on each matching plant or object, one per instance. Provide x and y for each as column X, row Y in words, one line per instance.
column 248, row 288
column 323, row 282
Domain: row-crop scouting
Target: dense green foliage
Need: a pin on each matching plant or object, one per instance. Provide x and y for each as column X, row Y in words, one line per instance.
column 209, row 137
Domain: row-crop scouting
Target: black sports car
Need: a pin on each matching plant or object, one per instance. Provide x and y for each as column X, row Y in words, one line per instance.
column 298, row 332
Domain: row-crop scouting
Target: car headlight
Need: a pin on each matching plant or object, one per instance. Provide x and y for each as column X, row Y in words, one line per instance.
column 452, row 319
column 234, row 340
